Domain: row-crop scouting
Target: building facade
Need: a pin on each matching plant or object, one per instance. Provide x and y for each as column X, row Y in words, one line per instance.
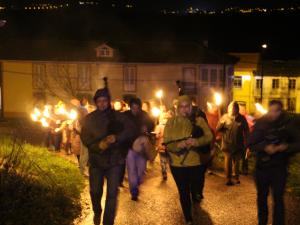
column 26, row 83
column 280, row 82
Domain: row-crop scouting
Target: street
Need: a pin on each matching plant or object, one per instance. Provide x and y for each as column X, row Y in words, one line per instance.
column 159, row 204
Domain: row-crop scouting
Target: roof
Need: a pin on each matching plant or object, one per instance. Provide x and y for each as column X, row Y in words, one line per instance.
column 290, row 68
column 129, row 52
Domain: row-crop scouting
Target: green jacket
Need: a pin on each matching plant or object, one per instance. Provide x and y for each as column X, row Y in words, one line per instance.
column 178, row 128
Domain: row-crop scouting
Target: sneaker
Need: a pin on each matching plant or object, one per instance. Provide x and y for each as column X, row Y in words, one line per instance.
column 229, row 183
column 134, row 198
column 97, row 219
column 165, row 176
column 237, row 181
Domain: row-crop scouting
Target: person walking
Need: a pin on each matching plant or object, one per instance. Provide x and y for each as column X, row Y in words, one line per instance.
column 185, row 138
column 235, row 131
column 106, row 134
column 274, row 139
column 137, row 160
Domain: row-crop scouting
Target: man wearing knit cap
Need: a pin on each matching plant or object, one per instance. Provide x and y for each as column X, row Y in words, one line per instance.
column 107, row 135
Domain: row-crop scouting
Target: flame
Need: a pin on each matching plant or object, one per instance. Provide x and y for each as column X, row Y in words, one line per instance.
column 37, row 112
column 260, row 108
column 72, row 115
column 209, row 105
column 34, row 117
column 218, row 98
column 159, row 94
column 46, row 112
column 155, row 112
column 44, row 122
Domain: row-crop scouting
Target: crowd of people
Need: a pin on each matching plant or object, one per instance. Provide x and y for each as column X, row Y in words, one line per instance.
column 117, row 136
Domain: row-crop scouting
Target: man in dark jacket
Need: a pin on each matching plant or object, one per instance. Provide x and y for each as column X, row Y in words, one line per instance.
column 273, row 140
column 137, row 161
column 234, row 129
column 106, row 134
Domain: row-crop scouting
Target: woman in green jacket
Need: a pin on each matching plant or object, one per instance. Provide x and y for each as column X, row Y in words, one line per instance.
column 187, row 150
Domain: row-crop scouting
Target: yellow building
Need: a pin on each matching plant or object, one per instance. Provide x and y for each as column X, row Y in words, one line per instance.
column 43, row 73
column 280, row 82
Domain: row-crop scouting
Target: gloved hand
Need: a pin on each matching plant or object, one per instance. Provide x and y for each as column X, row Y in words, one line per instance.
column 104, row 144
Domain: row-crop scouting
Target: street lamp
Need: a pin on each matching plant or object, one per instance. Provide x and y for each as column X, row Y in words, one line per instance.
column 264, row 47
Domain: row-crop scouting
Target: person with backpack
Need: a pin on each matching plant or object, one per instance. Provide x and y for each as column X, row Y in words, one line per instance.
column 187, row 141
column 234, row 129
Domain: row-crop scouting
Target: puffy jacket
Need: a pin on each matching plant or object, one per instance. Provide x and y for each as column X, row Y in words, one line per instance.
column 99, row 124
column 178, row 128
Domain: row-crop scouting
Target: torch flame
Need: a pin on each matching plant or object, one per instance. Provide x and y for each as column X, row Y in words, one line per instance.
column 159, row 94
column 34, row 117
column 218, row 98
column 72, row 115
column 44, row 122
column 155, row 111
column 260, row 108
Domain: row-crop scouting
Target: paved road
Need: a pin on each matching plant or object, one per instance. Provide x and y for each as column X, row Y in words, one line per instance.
column 159, row 204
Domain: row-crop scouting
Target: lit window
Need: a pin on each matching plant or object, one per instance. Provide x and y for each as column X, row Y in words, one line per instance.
column 258, row 83
column 291, row 104
column 275, row 83
column 237, row 82
column 292, row 84
column 104, row 52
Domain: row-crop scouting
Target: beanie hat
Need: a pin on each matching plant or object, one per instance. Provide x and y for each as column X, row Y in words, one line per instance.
column 103, row 92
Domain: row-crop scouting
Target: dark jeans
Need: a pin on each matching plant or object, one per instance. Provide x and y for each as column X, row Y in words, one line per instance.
column 112, row 175
column 274, row 179
column 190, row 183
column 244, row 162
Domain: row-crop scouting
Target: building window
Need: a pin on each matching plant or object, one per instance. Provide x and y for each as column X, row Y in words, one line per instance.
column 189, row 81
column 204, row 76
column 237, row 82
column 129, row 81
column 39, row 76
column 213, row 77
column 258, row 83
column 221, row 76
column 104, row 52
column 275, row 83
column 292, row 84
column 84, row 77
column 291, row 104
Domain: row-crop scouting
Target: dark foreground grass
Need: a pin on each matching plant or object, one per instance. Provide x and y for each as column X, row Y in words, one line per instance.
column 36, row 186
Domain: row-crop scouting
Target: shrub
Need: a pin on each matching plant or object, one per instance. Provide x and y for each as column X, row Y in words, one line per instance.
column 37, row 186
